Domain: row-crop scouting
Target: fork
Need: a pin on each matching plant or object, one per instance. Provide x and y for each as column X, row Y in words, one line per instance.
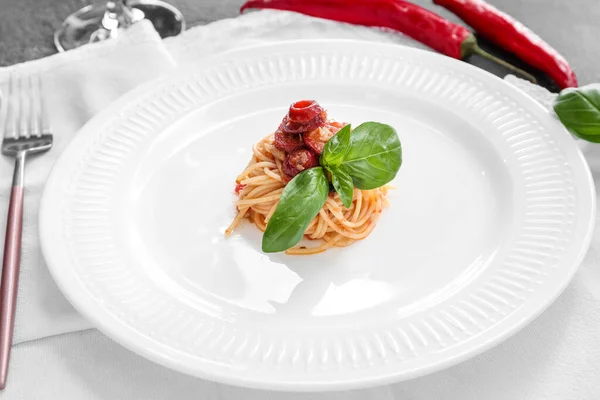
column 25, row 133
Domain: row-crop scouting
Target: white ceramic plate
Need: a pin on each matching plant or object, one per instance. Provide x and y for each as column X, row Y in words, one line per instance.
column 492, row 214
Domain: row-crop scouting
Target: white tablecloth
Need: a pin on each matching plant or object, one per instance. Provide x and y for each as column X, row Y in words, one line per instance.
column 556, row 357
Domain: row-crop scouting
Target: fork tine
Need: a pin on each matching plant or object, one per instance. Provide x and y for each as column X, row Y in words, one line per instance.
column 4, row 95
column 35, row 105
column 4, row 106
column 11, row 103
column 45, row 127
column 24, row 107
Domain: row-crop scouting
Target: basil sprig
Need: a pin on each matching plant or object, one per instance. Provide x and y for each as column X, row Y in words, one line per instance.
column 579, row 111
column 300, row 202
column 371, row 154
column 367, row 157
column 343, row 184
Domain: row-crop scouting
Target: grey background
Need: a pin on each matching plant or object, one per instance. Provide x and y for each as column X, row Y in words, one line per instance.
column 571, row 26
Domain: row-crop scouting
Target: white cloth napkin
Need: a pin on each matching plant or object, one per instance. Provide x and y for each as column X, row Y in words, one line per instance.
column 556, row 357
column 76, row 86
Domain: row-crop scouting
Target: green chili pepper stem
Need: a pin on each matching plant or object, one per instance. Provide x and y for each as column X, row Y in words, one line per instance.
column 469, row 47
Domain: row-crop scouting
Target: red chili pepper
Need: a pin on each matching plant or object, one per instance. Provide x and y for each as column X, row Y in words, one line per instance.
column 303, row 116
column 239, row 187
column 510, row 34
column 299, row 161
column 304, row 110
column 288, row 142
column 423, row 25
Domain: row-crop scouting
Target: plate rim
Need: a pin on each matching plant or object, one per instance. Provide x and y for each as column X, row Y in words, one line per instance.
column 86, row 307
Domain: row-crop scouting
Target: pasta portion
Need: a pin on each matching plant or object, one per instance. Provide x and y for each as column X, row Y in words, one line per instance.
column 261, row 184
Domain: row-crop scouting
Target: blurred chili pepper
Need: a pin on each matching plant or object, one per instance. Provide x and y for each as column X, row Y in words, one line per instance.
column 423, row 25
column 511, row 35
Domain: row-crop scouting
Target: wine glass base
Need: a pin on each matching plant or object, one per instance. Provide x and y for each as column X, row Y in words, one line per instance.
column 79, row 27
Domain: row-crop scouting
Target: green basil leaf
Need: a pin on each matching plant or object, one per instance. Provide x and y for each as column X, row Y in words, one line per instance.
column 372, row 157
column 579, row 111
column 337, row 146
column 342, row 182
column 300, row 202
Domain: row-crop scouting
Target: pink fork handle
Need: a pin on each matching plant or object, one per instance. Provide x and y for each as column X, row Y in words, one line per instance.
column 10, row 278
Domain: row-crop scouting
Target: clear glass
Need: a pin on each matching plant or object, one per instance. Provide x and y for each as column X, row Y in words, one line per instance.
column 101, row 22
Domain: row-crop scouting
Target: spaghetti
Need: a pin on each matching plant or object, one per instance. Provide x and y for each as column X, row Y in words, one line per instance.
column 261, row 184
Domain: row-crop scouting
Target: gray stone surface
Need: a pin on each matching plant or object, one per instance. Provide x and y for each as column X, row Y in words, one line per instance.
column 572, row 27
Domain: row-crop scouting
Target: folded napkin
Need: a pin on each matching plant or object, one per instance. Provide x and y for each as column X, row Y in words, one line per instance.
column 563, row 345
column 77, row 85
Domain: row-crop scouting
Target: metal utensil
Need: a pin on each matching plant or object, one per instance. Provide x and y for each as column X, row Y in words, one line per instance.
column 25, row 133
